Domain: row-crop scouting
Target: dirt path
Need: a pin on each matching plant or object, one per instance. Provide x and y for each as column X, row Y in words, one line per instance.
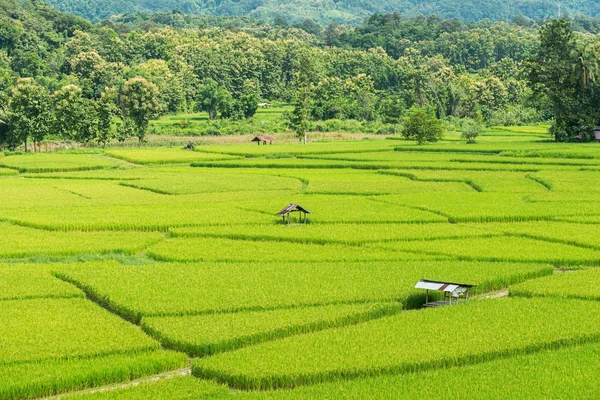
column 116, row 386
column 493, row 295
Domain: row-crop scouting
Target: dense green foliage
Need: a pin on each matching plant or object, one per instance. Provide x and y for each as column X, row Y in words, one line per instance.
column 332, row 11
column 65, row 79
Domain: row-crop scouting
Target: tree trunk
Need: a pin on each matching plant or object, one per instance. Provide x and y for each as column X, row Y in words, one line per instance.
column 25, row 145
column 304, row 138
column 395, row 129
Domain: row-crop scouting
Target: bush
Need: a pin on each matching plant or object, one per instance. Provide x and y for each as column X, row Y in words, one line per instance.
column 471, row 130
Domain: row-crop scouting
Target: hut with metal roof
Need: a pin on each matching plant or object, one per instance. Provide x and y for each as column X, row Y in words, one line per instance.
column 294, row 208
column 452, row 291
column 263, row 139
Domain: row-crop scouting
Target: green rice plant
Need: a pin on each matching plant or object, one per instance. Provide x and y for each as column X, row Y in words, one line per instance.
column 212, row 182
column 179, row 388
column 7, row 171
column 565, row 373
column 48, row 378
column 201, row 288
column 144, row 217
column 203, row 335
column 51, row 329
column 409, row 342
column 209, row 249
column 490, row 207
column 321, row 147
column 595, row 219
column 32, row 281
column 503, row 248
column 55, row 162
column 22, row 241
column 570, row 181
column 583, row 235
column 574, row 285
column 20, row 193
column 162, row 155
column 352, row 234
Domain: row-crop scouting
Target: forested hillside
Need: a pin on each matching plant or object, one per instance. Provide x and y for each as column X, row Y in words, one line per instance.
column 337, row 11
column 66, row 78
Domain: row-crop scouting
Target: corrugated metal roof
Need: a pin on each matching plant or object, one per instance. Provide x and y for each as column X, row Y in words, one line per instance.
column 440, row 286
column 293, row 208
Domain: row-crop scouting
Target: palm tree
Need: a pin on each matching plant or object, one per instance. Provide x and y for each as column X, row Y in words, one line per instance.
column 584, row 69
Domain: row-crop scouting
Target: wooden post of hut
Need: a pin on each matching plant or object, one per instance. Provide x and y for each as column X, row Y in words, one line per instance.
column 294, row 208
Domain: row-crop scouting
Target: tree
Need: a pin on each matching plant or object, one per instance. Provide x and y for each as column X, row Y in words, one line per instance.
column 471, row 130
column 29, row 113
column 75, row 116
column 423, row 128
column 107, row 110
column 300, row 116
column 391, row 109
column 213, row 99
column 139, row 103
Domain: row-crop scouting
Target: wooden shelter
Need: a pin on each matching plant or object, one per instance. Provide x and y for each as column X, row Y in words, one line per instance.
column 264, row 139
column 451, row 291
column 266, row 104
column 294, row 208
column 597, row 132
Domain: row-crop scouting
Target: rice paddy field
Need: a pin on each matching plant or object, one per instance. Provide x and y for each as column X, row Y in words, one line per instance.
column 164, row 273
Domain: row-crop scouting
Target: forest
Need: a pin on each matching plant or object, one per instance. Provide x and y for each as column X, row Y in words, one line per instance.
column 351, row 12
column 64, row 77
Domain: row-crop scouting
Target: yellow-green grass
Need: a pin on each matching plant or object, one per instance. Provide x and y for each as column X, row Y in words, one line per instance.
column 232, row 250
column 566, row 373
column 354, row 234
column 202, row 335
column 278, row 148
column 22, row 241
column 51, row 329
column 54, row 162
column 491, row 207
column 32, row 281
column 164, row 155
column 203, row 181
column 503, row 248
column 7, row 171
column 144, row 217
column 24, row 193
column 570, row 181
column 179, row 388
column 583, row 284
column 481, row 181
column 48, row 378
column 409, row 342
column 583, row 235
column 201, row 288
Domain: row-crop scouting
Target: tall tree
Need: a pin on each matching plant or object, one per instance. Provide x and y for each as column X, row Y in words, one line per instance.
column 213, row 99
column 139, row 103
column 29, row 114
column 75, row 116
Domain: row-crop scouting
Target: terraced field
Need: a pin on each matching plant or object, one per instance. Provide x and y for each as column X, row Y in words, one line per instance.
column 162, row 273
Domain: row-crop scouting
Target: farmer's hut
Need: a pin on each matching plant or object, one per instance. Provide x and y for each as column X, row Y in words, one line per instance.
column 451, row 291
column 597, row 132
column 294, row 208
column 264, row 139
column 266, row 104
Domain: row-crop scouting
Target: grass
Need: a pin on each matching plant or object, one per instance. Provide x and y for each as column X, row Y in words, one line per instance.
column 399, row 344
column 203, row 335
column 203, row 288
column 157, row 156
column 42, row 379
column 28, row 241
column 60, row 329
column 32, row 281
column 54, row 162
column 573, row 285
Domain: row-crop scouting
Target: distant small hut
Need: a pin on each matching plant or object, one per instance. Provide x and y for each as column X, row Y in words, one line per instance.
column 450, row 290
column 266, row 104
column 264, row 139
column 597, row 132
column 294, row 208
